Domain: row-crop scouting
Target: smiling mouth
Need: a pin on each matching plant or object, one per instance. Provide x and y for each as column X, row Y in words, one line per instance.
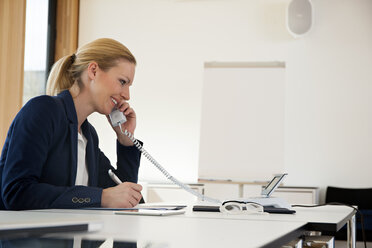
column 114, row 101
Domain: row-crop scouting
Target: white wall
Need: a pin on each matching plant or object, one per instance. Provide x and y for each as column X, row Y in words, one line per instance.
column 252, row 135
column 328, row 114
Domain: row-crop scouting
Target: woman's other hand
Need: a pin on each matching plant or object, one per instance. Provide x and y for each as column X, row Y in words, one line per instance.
column 124, row 195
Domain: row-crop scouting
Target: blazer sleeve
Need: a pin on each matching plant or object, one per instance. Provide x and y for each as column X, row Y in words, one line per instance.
column 128, row 162
column 29, row 138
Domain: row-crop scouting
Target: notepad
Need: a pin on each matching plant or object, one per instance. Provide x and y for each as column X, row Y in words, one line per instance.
column 152, row 207
column 151, row 212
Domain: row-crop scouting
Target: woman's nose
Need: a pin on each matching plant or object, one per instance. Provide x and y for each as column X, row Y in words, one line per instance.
column 125, row 93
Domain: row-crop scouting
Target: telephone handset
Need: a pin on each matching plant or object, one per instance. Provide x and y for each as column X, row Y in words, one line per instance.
column 117, row 118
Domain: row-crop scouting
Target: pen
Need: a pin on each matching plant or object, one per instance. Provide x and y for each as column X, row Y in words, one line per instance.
column 118, row 181
column 114, row 177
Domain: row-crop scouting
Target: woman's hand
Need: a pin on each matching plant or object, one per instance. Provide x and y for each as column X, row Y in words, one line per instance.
column 129, row 125
column 124, row 195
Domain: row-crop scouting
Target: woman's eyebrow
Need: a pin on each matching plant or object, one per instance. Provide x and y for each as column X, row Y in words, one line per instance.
column 125, row 78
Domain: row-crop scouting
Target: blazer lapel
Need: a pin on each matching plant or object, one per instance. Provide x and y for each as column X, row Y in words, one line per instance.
column 91, row 162
column 72, row 117
column 73, row 164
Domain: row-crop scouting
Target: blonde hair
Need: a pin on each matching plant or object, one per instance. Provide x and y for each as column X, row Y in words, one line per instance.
column 67, row 70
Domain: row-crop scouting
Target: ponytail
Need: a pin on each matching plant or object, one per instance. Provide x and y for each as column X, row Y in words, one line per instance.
column 60, row 76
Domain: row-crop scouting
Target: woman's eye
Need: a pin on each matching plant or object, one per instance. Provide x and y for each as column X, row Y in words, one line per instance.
column 122, row 82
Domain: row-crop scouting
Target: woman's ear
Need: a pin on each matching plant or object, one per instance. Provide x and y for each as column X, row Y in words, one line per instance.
column 92, row 70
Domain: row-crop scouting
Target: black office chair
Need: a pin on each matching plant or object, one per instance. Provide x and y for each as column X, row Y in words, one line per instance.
column 359, row 197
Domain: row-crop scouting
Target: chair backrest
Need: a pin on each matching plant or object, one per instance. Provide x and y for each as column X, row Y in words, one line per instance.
column 361, row 197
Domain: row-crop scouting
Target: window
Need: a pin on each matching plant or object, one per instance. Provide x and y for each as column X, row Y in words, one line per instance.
column 36, row 43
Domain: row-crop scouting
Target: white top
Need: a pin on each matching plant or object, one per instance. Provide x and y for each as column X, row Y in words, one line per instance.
column 82, row 170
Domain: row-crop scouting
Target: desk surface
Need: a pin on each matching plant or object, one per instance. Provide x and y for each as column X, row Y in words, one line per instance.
column 23, row 223
column 180, row 231
column 203, row 229
column 324, row 218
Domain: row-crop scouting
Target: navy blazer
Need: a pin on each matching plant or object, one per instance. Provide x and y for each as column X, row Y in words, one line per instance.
column 39, row 159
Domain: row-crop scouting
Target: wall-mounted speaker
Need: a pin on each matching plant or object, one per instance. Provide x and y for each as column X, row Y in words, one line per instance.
column 299, row 17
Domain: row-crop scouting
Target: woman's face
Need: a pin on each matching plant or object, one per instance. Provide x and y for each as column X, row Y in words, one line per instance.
column 111, row 88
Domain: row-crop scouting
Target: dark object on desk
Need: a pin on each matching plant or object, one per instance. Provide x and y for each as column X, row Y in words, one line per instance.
column 272, row 210
column 361, row 197
column 202, row 208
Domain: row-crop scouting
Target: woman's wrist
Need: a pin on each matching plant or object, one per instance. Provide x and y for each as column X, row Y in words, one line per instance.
column 124, row 140
column 104, row 202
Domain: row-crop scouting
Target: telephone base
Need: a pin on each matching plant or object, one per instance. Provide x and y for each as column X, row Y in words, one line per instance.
column 269, row 201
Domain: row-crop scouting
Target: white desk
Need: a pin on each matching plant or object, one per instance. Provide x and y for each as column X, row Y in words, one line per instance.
column 203, row 229
column 328, row 218
column 325, row 218
column 180, row 231
column 23, row 223
column 177, row 231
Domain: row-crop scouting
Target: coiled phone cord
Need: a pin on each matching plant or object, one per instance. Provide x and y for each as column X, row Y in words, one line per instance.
column 166, row 173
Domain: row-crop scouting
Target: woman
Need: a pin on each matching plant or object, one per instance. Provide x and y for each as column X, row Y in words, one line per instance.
column 51, row 158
